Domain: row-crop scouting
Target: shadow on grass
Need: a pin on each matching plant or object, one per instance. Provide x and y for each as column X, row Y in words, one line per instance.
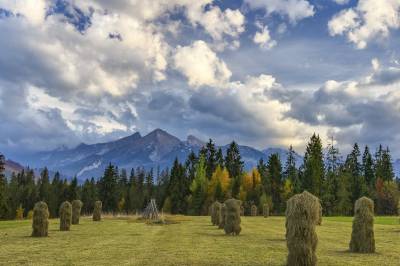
column 348, row 252
column 276, row 240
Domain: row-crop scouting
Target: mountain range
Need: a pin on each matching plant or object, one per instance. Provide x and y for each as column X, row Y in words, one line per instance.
column 156, row 149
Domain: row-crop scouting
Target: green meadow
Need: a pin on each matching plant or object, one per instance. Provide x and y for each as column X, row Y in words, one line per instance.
column 187, row 241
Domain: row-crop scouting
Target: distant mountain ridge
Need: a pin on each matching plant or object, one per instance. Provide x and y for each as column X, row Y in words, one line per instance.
column 156, row 149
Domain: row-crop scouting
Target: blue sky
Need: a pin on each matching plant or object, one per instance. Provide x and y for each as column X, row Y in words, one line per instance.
column 267, row 73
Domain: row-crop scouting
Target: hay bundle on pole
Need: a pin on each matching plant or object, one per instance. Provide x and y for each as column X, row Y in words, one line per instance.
column 76, row 211
column 217, row 213
column 254, row 210
column 65, row 216
column 212, row 213
column 302, row 215
column 232, row 217
column 265, row 210
column 97, row 211
column 362, row 236
column 151, row 211
column 40, row 222
column 223, row 215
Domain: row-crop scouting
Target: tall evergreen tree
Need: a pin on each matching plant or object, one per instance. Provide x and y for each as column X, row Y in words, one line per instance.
column 3, row 189
column 220, row 158
column 330, row 197
column 198, row 187
column 313, row 173
column 368, row 169
column 276, row 183
column 44, row 186
column 73, row 189
column 190, row 165
column 290, row 171
column 178, row 188
column 108, row 189
column 358, row 187
column 234, row 165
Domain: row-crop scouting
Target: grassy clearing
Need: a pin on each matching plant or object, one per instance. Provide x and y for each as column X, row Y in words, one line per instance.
column 187, row 241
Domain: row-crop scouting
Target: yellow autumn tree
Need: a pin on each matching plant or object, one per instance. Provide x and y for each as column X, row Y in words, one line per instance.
column 219, row 185
column 251, row 181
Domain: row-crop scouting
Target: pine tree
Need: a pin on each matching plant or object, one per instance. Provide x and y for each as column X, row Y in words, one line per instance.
column 178, row 188
column 199, row 188
column 108, row 189
column 358, row 187
column 368, row 169
column 290, row 171
column 330, row 197
column 220, row 158
column 210, row 157
column 3, row 189
column 313, row 173
column 234, row 165
column 276, row 183
column 190, row 165
column 44, row 186
column 73, row 189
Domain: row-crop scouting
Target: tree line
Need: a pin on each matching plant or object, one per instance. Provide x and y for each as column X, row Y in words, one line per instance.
column 191, row 186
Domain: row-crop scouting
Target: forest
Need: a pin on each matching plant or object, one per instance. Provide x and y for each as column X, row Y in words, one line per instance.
column 191, row 186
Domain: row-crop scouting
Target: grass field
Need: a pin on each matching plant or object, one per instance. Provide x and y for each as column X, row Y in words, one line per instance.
column 191, row 241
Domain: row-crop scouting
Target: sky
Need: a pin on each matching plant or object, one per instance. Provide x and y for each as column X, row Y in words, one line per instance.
column 267, row 73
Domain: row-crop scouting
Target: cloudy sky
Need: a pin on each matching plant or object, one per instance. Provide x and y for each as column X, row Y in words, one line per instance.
column 267, row 73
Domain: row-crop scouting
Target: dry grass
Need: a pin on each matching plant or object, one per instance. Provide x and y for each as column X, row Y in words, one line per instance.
column 191, row 241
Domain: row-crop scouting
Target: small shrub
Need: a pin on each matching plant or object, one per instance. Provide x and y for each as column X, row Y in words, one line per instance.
column 19, row 214
column 97, row 211
column 254, row 210
column 223, row 215
column 65, row 216
column 232, row 218
column 76, row 211
column 40, row 223
column 362, row 236
column 302, row 215
column 265, row 210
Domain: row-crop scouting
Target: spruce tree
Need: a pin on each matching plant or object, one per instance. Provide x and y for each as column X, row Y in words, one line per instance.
column 108, row 189
column 358, row 185
column 220, row 158
column 368, row 169
column 44, row 186
column 234, row 165
column 3, row 189
column 274, row 169
column 290, row 171
column 313, row 173
column 211, row 160
column 330, row 197
column 178, row 188
column 199, row 188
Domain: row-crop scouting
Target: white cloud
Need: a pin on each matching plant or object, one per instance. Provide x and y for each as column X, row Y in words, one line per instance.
column 32, row 10
column 263, row 39
column 201, row 65
column 295, row 10
column 368, row 20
